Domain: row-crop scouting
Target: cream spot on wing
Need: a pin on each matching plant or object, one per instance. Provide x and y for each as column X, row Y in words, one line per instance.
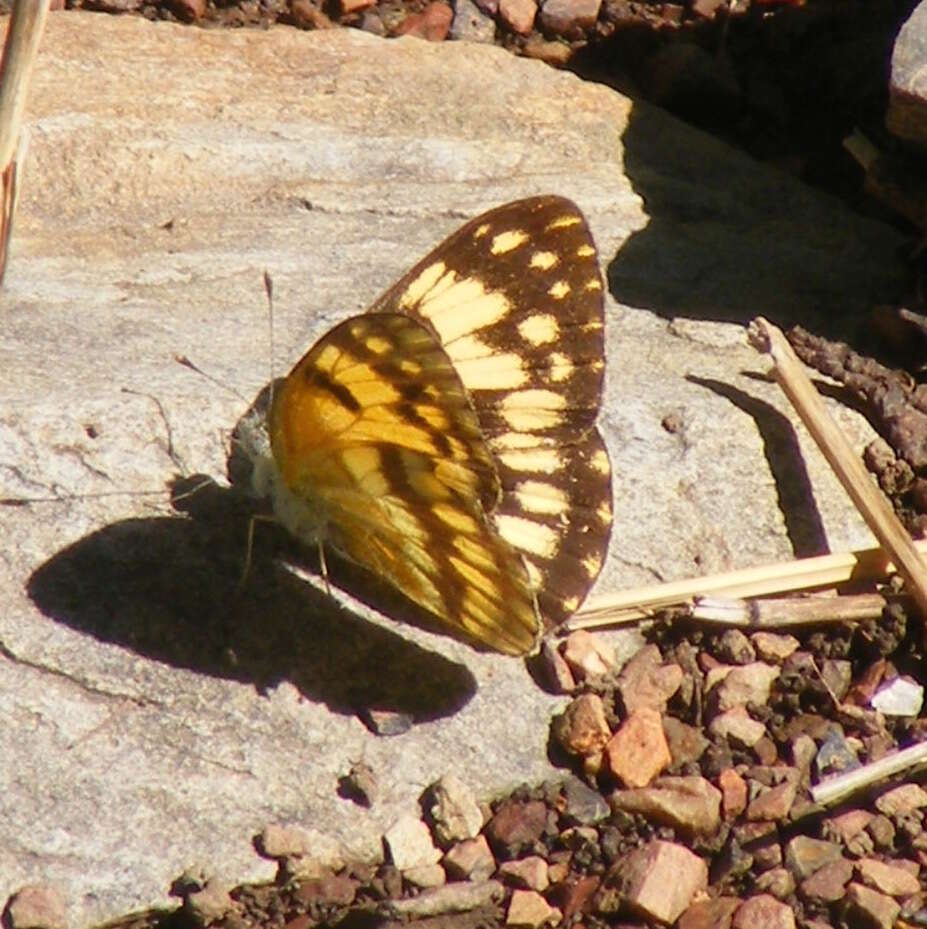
column 377, row 344
column 462, row 307
column 593, row 284
column 585, row 251
column 570, row 604
column 514, row 440
column 527, row 535
column 532, row 410
column 543, row 261
column 482, row 367
column 560, row 367
column 539, row 460
column 328, row 357
column 564, row 222
column 541, row 497
column 481, row 230
column 422, row 284
column 559, row 290
column 363, row 464
column 539, row 329
column 592, row 564
column 506, row 241
column 604, row 512
column 454, row 517
column 594, row 325
column 600, row 463
column 408, row 366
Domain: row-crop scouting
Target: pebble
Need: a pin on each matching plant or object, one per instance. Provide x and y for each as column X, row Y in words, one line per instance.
column 638, row 751
column 518, row 15
column 733, row 793
column 386, row 722
column 328, row 889
column 828, row 884
column 733, row 647
column 804, row 855
column 409, row 844
column 574, row 896
column 306, row 15
column 454, row 812
column 587, row 654
column 582, row 729
column 530, row 909
column 803, row 751
column 354, row 6
column 582, row 804
column 835, row 755
column 515, row 825
column 555, row 671
column 568, row 17
column 658, row 880
column 847, row 825
column 36, row 906
column 458, row 897
column 528, row 873
column 900, row 697
column 749, row 683
column 771, row 646
column 433, row 23
column 738, row 727
column 882, row 831
column 359, row 784
column 691, row 804
column 837, row 675
column 209, row 904
column 646, row 682
column 763, row 910
column 871, row 908
column 776, row 881
column 189, row 10
column 775, row 803
column 902, row 800
column 686, row 743
column 889, row 878
column 471, row 24
column 428, row 875
column 709, row 914
column 470, row 860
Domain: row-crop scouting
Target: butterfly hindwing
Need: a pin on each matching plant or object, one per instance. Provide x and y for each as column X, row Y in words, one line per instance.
column 380, row 454
column 515, row 298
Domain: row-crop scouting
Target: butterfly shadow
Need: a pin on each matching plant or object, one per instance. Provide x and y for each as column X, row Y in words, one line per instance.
column 169, row 589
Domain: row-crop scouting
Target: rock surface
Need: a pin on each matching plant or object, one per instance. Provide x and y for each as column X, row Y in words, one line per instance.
column 156, row 717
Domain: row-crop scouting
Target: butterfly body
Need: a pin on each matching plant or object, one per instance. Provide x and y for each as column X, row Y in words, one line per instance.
column 423, row 442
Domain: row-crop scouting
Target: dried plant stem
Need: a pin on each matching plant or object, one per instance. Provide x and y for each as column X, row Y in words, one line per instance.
column 789, row 611
column 837, row 788
column 823, row 571
column 847, row 465
column 26, row 24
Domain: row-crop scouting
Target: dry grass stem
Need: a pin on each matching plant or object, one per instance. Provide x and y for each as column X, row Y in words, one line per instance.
column 835, row 789
column 847, row 465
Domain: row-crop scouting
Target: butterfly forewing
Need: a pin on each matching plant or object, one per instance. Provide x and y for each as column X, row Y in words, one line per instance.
column 515, row 298
column 382, row 455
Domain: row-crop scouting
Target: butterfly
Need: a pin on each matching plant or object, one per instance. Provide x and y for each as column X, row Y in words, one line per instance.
column 446, row 439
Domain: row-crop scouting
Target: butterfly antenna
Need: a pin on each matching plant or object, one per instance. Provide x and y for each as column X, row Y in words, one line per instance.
column 269, row 290
column 183, row 360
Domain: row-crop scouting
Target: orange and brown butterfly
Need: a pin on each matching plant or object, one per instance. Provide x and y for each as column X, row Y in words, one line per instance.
column 446, row 441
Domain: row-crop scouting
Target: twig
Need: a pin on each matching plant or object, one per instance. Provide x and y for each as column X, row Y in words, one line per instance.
column 791, row 611
column 27, row 21
column 837, row 788
column 847, row 465
column 823, row 571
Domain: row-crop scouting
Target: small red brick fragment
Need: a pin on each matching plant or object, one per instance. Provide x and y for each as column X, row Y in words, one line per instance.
column 638, row 752
column 433, row 23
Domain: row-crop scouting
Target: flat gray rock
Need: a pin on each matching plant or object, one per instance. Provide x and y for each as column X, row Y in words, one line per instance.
column 156, row 718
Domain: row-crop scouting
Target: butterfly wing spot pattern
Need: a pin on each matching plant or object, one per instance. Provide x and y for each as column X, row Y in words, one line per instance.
column 445, row 440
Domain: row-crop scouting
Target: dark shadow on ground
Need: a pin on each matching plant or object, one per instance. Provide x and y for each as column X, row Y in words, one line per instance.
column 168, row 588
column 731, row 245
column 803, row 522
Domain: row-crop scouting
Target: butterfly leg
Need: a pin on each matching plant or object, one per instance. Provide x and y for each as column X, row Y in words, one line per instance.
column 249, row 547
column 323, row 567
